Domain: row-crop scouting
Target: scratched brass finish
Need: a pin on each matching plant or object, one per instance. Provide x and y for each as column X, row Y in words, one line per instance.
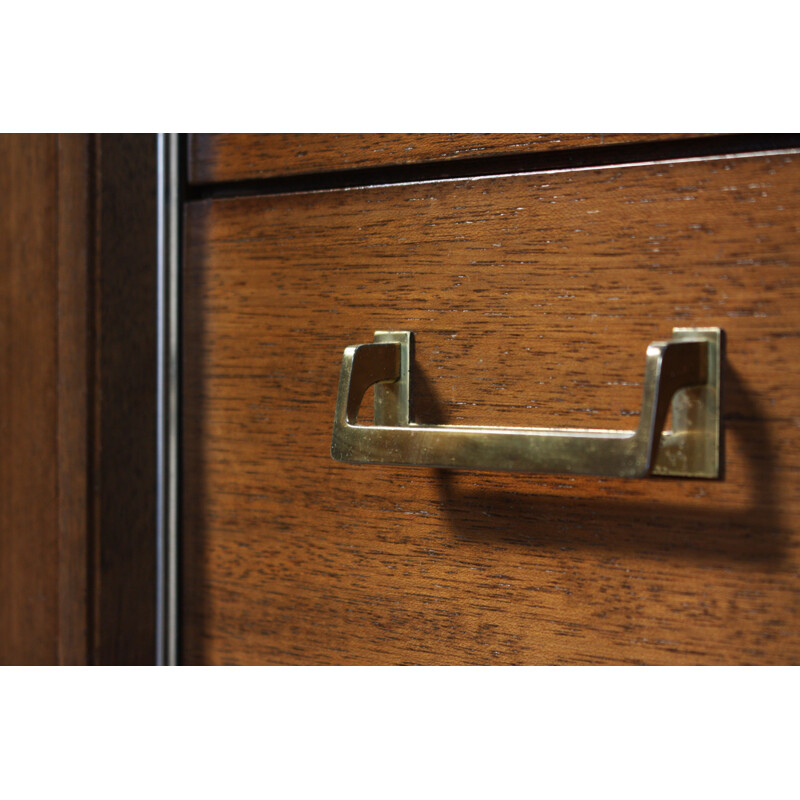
column 684, row 371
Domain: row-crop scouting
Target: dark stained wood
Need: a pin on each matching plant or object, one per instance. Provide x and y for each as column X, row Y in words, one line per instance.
column 77, row 389
column 216, row 157
column 125, row 400
column 533, row 298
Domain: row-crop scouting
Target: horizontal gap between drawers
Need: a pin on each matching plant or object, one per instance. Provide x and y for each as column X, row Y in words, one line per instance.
column 720, row 145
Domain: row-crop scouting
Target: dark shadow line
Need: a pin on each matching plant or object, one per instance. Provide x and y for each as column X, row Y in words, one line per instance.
column 595, row 156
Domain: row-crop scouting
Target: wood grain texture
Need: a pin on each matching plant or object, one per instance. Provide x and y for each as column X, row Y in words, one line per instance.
column 77, row 409
column 45, row 277
column 533, row 298
column 215, row 157
column 73, row 391
column 29, row 543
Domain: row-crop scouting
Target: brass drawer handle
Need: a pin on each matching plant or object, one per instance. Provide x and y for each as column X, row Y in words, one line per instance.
column 685, row 370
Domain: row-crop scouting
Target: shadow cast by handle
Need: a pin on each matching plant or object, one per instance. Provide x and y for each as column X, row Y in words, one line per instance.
column 711, row 534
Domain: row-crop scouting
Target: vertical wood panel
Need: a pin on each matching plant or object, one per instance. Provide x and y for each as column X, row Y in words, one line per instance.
column 28, row 413
column 77, row 399
column 125, row 400
column 74, row 395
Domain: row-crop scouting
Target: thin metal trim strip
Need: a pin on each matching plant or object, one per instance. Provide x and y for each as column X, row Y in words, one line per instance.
column 168, row 398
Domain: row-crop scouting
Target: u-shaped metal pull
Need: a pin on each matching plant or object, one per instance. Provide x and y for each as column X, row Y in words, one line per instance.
column 685, row 371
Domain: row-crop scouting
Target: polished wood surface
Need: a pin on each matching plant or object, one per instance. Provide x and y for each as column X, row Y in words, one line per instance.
column 77, row 388
column 215, row 157
column 533, row 298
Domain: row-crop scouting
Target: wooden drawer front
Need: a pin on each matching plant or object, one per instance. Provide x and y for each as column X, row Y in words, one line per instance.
column 215, row 157
column 533, row 298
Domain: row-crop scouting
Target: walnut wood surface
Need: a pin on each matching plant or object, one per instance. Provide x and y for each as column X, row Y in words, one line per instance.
column 77, row 388
column 74, row 341
column 533, row 298
column 29, row 412
column 215, row 157
column 45, row 311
